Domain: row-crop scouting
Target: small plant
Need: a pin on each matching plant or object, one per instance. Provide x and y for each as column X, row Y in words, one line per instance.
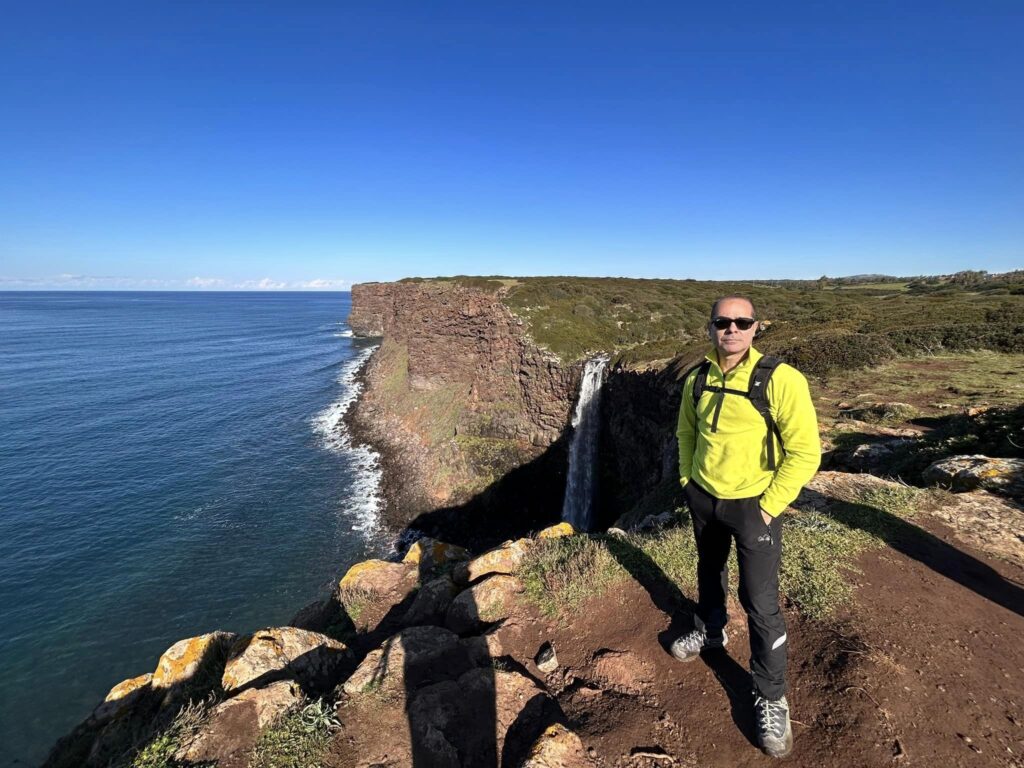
column 297, row 740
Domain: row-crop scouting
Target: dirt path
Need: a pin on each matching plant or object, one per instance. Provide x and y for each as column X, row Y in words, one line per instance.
column 926, row 668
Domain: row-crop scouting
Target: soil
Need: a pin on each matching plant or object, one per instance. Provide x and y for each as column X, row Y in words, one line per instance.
column 925, row 668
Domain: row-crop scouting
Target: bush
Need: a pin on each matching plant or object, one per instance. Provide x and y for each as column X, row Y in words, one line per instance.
column 820, row 353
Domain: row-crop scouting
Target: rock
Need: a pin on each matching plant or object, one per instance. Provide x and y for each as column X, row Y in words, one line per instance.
column 655, row 522
column 558, row 747
column 234, row 726
column 486, row 602
column 981, row 519
column 968, row 473
column 191, row 666
column 413, row 657
column 311, row 659
column 122, row 697
column 378, row 577
column 988, row 522
column 505, row 559
column 546, row 660
column 429, row 553
column 556, row 531
column 318, row 616
column 869, row 456
column 477, row 714
column 376, row 593
column 431, row 603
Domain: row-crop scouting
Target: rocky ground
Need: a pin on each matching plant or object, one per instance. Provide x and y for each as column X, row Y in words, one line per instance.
column 442, row 660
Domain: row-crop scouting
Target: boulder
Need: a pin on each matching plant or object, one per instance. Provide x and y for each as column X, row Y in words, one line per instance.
column 486, row 602
column 558, row 747
column 557, row 531
column 431, row 603
column 201, row 656
column 427, row 554
column 505, row 559
column 374, row 594
column 379, row 577
column 311, row 659
column 234, row 726
column 410, row 659
column 122, row 697
column 968, row 473
column 428, row 698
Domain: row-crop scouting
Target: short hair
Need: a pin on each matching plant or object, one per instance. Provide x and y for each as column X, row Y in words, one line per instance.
column 714, row 307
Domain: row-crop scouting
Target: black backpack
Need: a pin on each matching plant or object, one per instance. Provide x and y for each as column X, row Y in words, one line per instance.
column 757, row 394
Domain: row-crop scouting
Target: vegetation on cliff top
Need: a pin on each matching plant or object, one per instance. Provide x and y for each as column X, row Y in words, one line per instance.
column 819, row 325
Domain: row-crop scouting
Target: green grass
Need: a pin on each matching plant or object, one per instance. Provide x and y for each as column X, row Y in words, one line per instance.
column 820, row 549
column 298, row 740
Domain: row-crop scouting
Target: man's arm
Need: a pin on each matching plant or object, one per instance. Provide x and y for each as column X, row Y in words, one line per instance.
column 794, row 414
column 686, row 431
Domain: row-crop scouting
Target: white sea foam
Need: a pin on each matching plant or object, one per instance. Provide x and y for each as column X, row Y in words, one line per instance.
column 346, row 334
column 365, row 502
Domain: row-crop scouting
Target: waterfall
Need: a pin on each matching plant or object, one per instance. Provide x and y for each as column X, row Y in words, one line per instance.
column 586, row 421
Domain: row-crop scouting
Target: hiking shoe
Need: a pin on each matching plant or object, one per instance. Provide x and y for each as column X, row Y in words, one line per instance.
column 774, row 733
column 689, row 646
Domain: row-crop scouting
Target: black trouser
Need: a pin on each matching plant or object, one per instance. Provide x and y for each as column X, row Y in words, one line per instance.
column 759, row 551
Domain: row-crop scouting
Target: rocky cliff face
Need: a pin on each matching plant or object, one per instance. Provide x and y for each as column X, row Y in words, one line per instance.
column 468, row 412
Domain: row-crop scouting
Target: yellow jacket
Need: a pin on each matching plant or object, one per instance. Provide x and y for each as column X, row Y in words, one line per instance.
column 732, row 462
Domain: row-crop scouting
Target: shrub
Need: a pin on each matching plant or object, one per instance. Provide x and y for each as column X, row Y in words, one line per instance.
column 819, row 353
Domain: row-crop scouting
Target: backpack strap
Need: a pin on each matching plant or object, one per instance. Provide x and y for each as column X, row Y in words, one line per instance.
column 700, row 381
column 758, row 396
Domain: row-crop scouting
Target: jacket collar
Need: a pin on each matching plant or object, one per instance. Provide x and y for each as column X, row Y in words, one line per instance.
column 749, row 361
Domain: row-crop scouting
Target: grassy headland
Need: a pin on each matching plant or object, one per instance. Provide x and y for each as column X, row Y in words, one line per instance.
column 820, row 325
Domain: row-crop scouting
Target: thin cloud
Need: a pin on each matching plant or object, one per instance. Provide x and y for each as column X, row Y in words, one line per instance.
column 206, row 282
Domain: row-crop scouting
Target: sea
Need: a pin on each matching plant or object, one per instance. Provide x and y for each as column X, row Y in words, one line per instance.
column 170, row 464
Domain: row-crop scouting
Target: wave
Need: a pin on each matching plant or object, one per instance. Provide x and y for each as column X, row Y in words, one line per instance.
column 365, row 502
column 347, row 334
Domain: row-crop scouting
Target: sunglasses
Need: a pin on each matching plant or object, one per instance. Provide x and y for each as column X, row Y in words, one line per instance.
column 743, row 323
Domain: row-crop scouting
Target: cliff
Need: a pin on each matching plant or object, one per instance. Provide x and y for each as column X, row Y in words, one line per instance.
column 472, row 414
column 467, row 411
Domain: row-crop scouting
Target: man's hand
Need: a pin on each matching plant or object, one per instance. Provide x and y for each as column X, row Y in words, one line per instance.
column 766, row 517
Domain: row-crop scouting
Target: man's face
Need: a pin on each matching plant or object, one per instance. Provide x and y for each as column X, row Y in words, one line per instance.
column 731, row 340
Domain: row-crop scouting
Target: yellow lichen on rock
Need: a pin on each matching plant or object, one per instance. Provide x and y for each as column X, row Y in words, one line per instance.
column 357, row 573
column 505, row 559
column 557, row 747
column 181, row 661
column 283, row 652
column 557, row 531
column 122, row 697
column 128, row 686
column 433, row 552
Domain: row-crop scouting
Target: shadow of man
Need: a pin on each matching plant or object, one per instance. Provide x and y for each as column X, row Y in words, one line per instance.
column 918, row 544
column 450, row 688
column 668, row 598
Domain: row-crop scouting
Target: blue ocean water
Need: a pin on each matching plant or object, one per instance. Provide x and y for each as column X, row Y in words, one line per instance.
column 170, row 464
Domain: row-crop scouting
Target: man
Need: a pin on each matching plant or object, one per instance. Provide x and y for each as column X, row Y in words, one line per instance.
column 740, row 468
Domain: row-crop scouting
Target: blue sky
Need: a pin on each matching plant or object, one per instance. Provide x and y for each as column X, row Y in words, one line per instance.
column 312, row 145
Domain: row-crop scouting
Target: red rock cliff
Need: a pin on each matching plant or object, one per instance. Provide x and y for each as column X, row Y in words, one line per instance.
column 457, row 396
